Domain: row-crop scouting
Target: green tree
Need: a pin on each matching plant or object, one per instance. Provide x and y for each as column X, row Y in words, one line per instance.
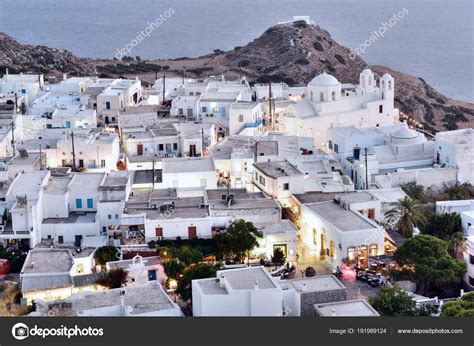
column 442, row 225
column 173, row 268
column 188, row 254
column 457, row 245
column 415, row 191
column 239, row 239
column 458, row 191
column 10, row 301
column 199, row 271
column 310, row 272
column 405, row 215
column 278, row 258
column 393, row 301
column 432, row 268
column 106, row 254
column 114, row 278
column 463, row 307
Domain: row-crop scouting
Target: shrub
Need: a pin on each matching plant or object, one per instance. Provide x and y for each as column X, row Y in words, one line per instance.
column 340, row 58
column 318, row 46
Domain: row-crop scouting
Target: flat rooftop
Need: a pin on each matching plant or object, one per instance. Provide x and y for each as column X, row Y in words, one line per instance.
column 238, row 279
column 57, row 185
column 346, row 308
column 125, row 264
column 188, row 165
column 314, row 197
column 47, row 261
column 74, row 217
column 343, row 219
column 356, row 197
column 87, row 179
column 283, row 226
column 316, row 284
column 278, row 169
column 146, row 298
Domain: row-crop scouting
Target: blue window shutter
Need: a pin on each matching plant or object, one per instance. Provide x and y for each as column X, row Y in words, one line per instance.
column 78, row 203
column 90, row 203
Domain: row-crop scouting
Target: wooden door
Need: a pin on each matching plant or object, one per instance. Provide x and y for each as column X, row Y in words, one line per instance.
column 192, row 232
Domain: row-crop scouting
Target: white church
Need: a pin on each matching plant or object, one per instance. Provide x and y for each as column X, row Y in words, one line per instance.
column 328, row 103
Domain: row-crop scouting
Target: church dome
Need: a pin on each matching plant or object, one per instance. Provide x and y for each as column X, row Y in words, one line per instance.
column 387, row 76
column 405, row 135
column 367, row 72
column 324, row 79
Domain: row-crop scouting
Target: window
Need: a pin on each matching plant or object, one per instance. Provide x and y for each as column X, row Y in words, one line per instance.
column 321, row 97
column 332, row 249
column 60, row 239
column 107, row 105
column 256, row 176
column 191, row 93
column 286, row 186
column 175, row 146
column 116, row 216
column 336, row 148
column 217, row 109
column 371, row 214
column 203, row 182
column 381, row 109
column 161, row 147
column 373, row 250
column 102, row 163
column 78, row 203
column 241, row 118
column 315, row 236
column 110, row 217
column 180, row 111
column 330, row 145
column 262, row 180
column 175, row 183
column 90, row 203
column 351, row 253
column 204, row 109
column 333, row 96
column 158, row 232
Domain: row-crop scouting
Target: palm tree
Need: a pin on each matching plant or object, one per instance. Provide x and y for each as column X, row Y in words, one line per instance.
column 405, row 215
column 457, row 245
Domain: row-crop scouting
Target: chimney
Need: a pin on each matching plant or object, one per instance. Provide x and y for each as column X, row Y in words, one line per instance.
column 222, row 281
column 64, row 76
column 6, row 75
column 255, row 285
column 333, row 312
column 303, row 288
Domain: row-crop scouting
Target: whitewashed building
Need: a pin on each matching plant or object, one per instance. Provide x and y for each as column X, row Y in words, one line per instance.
column 332, row 104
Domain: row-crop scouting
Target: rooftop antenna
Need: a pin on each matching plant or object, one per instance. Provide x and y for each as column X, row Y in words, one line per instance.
column 164, row 87
column 270, row 113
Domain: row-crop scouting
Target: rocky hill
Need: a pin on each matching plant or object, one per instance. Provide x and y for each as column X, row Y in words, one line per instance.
column 293, row 53
column 296, row 53
column 40, row 59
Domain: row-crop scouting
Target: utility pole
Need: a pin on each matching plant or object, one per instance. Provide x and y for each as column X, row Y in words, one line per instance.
column 13, row 135
column 270, row 109
column 366, row 171
column 41, row 158
column 73, row 152
column 202, row 142
column 153, row 175
column 164, row 88
column 184, row 73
